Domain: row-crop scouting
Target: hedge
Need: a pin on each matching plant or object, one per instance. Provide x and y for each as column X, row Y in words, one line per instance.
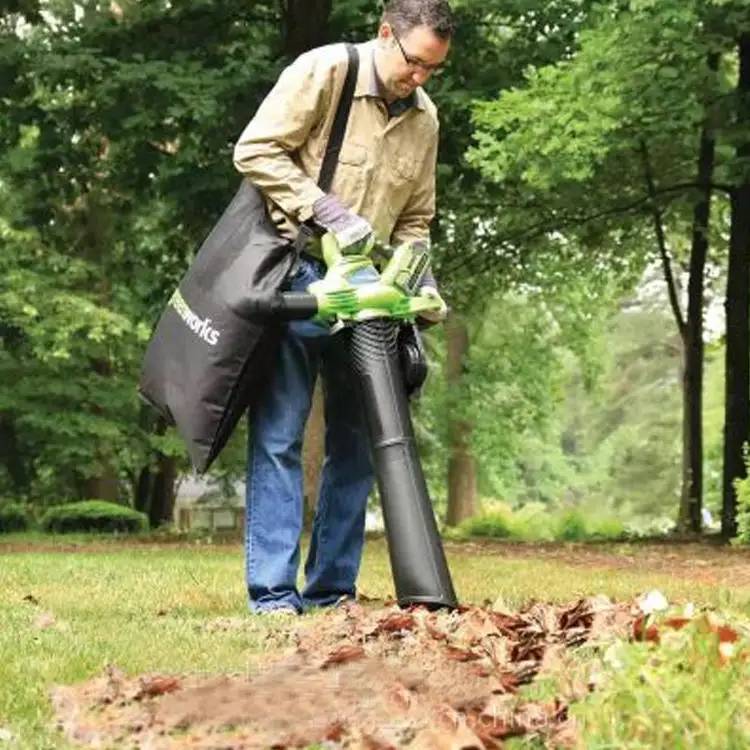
column 13, row 517
column 93, row 515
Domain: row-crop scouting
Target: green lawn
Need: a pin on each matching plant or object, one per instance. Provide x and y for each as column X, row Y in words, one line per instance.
column 164, row 608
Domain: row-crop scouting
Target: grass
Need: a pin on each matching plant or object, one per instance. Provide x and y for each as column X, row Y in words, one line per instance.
column 151, row 608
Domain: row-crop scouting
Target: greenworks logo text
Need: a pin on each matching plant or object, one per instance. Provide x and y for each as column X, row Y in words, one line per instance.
column 200, row 326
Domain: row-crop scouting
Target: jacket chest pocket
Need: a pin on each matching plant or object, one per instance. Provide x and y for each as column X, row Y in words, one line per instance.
column 404, row 170
column 403, row 175
column 353, row 155
column 351, row 171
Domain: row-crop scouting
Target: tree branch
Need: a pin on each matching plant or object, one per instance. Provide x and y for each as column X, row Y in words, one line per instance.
column 661, row 240
column 555, row 224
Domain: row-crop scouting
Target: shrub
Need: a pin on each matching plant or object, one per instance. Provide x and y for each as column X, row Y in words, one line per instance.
column 607, row 528
column 742, row 487
column 13, row 517
column 578, row 524
column 93, row 515
column 571, row 526
column 533, row 522
column 538, row 522
column 496, row 524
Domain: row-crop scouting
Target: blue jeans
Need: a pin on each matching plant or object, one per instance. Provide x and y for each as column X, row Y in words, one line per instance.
column 274, row 503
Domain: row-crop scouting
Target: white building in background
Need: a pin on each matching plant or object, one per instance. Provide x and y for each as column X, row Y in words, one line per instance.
column 199, row 505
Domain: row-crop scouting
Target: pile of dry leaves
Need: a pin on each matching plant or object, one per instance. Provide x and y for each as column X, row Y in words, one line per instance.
column 365, row 677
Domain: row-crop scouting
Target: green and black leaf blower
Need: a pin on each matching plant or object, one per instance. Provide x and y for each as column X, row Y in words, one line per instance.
column 375, row 311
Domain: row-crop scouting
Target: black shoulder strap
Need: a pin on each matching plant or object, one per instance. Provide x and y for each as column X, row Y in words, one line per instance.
column 330, row 160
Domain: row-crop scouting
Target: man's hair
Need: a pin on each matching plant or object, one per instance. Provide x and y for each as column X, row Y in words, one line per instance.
column 405, row 15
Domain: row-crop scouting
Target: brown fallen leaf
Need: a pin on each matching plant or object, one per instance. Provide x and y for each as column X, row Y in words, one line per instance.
column 726, row 634
column 371, row 742
column 502, row 683
column 507, row 624
column 401, row 696
column 460, row 654
column 578, row 615
column 150, row 687
column 342, row 655
column 335, row 731
column 676, row 622
column 490, row 729
column 474, row 627
column 449, row 731
column 396, row 623
column 642, row 632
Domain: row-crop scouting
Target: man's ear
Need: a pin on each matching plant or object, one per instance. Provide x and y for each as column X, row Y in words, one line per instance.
column 385, row 31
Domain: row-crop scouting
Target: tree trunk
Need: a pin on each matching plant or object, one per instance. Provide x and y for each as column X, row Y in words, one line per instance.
column 305, row 24
column 462, row 478
column 737, row 305
column 97, row 242
column 11, row 456
column 691, row 501
column 312, row 454
column 155, row 486
column 104, row 486
column 143, row 490
column 161, row 506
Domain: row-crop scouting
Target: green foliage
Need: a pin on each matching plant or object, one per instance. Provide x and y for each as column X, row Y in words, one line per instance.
column 93, row 515
column 13, row 517
column 680, row 693
column 497, row 524
column 537, row 522
column 614, row 443
column 572, row 526
column 742, row 486
column 117, row 152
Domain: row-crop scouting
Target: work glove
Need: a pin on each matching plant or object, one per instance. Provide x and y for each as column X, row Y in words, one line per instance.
column 438, row 315
column 353, row 233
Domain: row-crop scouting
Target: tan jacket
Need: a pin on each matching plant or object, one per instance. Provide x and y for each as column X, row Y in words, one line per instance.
column 386, row 167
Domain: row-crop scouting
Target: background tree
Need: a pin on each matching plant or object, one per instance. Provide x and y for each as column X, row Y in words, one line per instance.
column 619, row 140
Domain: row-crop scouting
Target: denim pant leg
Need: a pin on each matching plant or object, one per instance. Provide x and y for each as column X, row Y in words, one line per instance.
column 274, row 482
column 338, row 532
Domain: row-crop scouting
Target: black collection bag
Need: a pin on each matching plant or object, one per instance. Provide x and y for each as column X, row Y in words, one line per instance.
column 206, row 363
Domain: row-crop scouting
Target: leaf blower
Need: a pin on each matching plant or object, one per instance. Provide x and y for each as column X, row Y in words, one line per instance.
column 375, row 310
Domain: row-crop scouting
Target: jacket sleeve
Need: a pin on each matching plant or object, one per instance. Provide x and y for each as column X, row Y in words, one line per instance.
column 413, row 222
column 296, row 104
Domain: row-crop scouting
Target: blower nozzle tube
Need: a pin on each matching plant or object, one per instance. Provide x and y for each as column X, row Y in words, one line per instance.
column 278, row 306
column 420, row 570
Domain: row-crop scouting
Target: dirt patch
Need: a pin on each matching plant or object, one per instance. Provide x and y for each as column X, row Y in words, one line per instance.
column 364, row 678
column 702, row 562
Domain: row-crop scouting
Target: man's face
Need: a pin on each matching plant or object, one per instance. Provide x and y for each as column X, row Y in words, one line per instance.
column 408, row 61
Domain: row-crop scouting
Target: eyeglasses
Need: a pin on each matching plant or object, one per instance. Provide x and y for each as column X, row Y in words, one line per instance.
column 415, row 63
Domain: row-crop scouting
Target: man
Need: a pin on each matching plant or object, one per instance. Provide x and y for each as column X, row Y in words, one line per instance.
column 384, row 186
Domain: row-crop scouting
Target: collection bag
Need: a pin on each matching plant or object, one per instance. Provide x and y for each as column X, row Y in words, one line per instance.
column 206, row 363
